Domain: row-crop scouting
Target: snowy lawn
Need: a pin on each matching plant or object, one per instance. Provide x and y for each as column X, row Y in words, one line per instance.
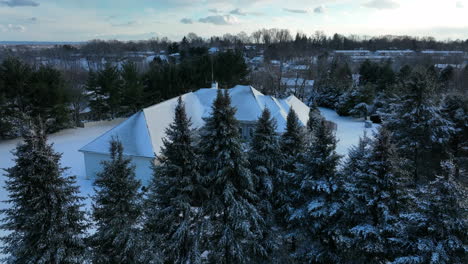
column 69, row 141
column 349, row 129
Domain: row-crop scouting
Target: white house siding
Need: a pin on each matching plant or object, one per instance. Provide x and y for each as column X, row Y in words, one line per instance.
column 142, row 165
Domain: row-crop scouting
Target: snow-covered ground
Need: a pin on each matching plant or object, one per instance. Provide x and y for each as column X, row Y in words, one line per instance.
column 349, row 130
column 69, row 141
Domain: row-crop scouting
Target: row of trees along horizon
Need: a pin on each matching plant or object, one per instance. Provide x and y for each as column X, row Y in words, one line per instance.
column 60, row 96
column 269, row 39
column 286, row 198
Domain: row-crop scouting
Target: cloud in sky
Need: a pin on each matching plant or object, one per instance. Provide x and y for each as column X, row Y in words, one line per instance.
column 238, row 12
column 16, row 3
column 320, row 10
column 78, row 20
column 186, row 21
column 12, row 28
column 220, row 20
column 297, row 11
column 382, row 4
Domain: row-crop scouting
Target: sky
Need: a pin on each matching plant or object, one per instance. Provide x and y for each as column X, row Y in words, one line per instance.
column 81, row 20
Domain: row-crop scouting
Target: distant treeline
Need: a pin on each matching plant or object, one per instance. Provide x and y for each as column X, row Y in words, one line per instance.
column 62, row 97
column 270, row 39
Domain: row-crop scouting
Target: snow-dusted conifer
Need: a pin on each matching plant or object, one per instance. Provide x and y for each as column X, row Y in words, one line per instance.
column 116, row 211
column 233, row 220
column 172, row 206
column 455, row 109
column 317, row 201
column 44, row 221
column 438, row 228
column 265, row 160
column 417, row 125
column 315, row 119
column 376, row 195
column 292, row 145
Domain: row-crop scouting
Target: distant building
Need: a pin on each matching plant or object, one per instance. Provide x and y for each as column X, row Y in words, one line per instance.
column 142, row 134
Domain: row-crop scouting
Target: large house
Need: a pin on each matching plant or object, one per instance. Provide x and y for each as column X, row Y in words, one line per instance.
column 142, row 134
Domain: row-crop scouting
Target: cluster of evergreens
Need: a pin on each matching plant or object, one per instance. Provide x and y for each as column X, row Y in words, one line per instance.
column 376, row 84
column 115, row 92
column 35, row 92
column 277, row 199
column 59, row 96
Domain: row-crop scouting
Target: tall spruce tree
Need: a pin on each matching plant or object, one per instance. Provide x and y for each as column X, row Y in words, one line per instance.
column 172, row 206
column 45, row 221
column 116, row 211
column 292, row 145
column 265, row 166
column 315, row 119
column 316, row 203
column 234, row 222
column 455, row 109
column 376, row 191
column 418, row 127
column 437, row 230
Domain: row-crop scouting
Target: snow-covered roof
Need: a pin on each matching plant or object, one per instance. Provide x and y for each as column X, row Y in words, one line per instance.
column 143, row 132
column 296, row 82
column 442, row 51
column 133, row 133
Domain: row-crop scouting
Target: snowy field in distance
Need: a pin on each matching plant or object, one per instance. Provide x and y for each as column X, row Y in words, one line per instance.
column 70, row 140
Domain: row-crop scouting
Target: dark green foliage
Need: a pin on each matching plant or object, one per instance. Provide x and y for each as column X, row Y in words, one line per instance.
column 31, row 92
column 382, row 76
column 44, row 219
column 419, row 129
column 175, row 195
column 437, row 228
column 230, row 68
column 316, row 203
column 292, row 144
column 315, row 120
column 265, row 161
column 332, row 83
column 455, row 109
column 357, row 101
column 116, row 211
column 167, row 80
column 376, row 194
column 233, row 220
column 132, row 99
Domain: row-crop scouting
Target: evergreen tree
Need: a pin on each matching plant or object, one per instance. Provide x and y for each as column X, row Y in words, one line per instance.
column 265, row 164
column 292, row 145
column 132, row 89
column 376, row 195
column 418, row 127
column 234, row 222
column 96, row 97
column 455, row 109
column 315, row 119
column 44, row 220
column 172, row 207
column 316, row 202
column 438, row 228
column 116, row 211
column 108, row 79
